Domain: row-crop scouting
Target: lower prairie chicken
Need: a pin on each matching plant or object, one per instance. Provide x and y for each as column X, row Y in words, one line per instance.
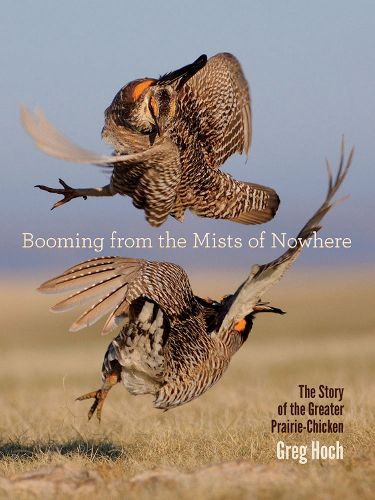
column 174, row 345
column 170, row 137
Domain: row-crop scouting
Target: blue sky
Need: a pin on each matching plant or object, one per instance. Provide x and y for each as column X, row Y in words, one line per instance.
column 310, row 66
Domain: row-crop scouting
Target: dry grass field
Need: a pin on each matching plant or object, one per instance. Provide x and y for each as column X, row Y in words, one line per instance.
column 219, row 446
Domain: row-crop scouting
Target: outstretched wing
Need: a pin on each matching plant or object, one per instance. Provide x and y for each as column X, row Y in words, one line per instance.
column 264, row 277
column 109, row 285
column 52, row 142
column 215, row 103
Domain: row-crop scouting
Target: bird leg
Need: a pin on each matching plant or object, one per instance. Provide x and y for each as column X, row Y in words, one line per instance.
column 100, row 395
column 70, row 193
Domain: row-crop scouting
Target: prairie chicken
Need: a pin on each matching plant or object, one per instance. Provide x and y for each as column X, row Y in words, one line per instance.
column 170, row 137
column 174, row 345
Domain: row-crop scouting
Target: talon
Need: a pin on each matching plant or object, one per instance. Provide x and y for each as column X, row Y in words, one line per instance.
column 64, row 184
column 89, row 395
column 99, row 396
column 111, row 379
column 68, row 193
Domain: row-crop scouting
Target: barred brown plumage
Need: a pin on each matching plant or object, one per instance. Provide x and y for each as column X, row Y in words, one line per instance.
column 170, row 136
column 174, row 344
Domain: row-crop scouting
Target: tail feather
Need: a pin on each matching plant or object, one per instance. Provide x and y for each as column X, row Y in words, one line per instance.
column 264, row 205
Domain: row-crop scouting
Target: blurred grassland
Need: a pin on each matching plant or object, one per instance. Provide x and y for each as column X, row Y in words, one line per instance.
column 326, row 337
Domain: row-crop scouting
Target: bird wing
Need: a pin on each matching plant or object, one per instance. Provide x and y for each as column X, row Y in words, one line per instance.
column 265, row 276
column 215, row 103
column 52, row 142
column 112, row 284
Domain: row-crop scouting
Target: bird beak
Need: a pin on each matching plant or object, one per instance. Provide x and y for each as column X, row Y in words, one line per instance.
column 157, row 128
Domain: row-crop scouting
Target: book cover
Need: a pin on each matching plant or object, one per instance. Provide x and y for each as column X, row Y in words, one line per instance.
column 215, row 398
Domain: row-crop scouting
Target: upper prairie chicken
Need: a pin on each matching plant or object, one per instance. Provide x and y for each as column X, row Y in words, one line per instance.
column 174, row 345
column 170, row 136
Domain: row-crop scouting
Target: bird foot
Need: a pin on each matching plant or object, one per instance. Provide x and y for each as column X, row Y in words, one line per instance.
column 111, row 379
column 99, row 396
column 68, row 192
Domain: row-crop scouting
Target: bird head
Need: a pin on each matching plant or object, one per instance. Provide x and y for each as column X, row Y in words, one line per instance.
column 159, row 107
column 144, row 106
column 148, row 105
column 157, row 98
